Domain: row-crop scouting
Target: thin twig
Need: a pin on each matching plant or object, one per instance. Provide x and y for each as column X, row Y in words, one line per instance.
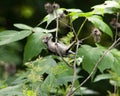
column 116, row 34
column 96, row 65
column 71, row 91
column 81, row 27
column 75, row 73
column 76, row 35
column 117, row 44
column 62, row 57
column 65, row 24
column 56, row 39
column 57, row 26
column 86, row 38
column 74, row 65
column 80, row 41
column 70, row 28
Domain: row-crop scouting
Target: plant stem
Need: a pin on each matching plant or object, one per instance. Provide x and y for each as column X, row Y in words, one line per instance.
column 57, row 26
column 81, row 27
column 96, row 65
column 74, row 65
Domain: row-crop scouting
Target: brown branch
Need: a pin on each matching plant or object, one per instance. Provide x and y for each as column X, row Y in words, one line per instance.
column 116, row 34
column 71, row 91
column 81, row 26
column 75, row 73
column 96, row 65
column 56, row 39
column 70, row 28
column 86, row 38
column 74, row 65
column 99, row 60
column 57, row 26
column 62, row 57
column 117, row 44
column 80, row 41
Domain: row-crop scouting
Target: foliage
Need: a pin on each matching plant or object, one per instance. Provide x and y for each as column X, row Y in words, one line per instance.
column 47, row 74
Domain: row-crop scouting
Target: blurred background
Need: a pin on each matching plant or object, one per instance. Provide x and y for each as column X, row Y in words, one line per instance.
column 32, row 11
column 29, row 12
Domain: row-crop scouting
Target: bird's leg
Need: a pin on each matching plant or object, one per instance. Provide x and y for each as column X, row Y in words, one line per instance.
column 70, row 46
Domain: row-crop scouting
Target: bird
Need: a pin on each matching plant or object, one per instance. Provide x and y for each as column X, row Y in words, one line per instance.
column 57, row 47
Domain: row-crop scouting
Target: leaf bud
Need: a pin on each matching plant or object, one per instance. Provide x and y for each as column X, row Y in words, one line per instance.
column 48, row 8
column 96, row 35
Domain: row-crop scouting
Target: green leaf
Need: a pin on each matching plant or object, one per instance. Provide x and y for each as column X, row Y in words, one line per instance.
column 20, row 79
column 112, row 4
column 43, row 20
column 116, row 66
column 115, row 82
column 64, row 80
column 68, row 38
column 63, row 74
column 96, row 20
column 46, row 65
column 116, row 53
column 50, row 17
column 75, row 15
column 91, row 56
column 34, row 46
column 107, row 7
column 48, row 84
column 11, row 91
column 38, row 29
column 102, row 77
column 9, row 36
column 73, row 10
column 85, row 91
column 104, row 63
column 10, row 53
column 22, row 26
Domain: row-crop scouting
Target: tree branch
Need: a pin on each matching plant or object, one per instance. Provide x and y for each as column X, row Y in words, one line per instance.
column 96, row 65
column 81, row 26
column 57, row 25
column 75, row 73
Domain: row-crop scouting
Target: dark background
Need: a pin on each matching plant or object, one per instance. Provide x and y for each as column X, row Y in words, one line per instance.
column 32, row 11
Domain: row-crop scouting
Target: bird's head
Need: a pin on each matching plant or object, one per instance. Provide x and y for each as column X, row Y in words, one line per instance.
column 45, row 39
